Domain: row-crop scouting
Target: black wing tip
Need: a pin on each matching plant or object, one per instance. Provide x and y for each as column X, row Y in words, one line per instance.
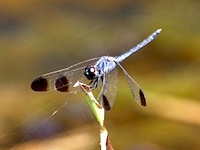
column 105, row 103
column 142, row 98
column 39, row 84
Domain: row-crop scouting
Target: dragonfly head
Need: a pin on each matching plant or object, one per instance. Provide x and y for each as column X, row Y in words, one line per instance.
column 91, row 72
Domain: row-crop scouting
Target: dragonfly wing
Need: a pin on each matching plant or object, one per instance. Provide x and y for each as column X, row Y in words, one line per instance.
column 135, row 89
column 64, row 79
column 109, row 89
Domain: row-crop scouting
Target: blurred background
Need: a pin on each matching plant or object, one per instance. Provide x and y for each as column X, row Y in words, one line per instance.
column 38, row 36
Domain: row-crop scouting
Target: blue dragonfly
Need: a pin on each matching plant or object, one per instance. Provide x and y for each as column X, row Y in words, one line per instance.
column 95, row 72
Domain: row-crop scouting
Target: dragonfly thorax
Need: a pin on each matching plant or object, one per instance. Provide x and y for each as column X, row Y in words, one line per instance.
column 105, row 64
column 91, row 72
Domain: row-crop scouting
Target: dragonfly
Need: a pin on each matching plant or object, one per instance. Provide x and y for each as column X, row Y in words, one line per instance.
column 95, row 72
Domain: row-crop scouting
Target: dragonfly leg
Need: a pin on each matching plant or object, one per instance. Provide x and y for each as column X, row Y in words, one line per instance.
column 94, row 84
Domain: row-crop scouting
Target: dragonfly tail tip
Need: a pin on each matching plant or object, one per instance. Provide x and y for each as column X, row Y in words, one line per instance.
column 159, row 30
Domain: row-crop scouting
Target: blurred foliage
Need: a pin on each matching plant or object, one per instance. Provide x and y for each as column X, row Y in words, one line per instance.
column 38, row 36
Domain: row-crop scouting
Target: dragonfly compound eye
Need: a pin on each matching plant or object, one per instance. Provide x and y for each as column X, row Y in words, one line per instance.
column 90, row 72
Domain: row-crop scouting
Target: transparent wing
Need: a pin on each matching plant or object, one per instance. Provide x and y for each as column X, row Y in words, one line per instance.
column 109, row 88
column 135, row 88
column 64, row 79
